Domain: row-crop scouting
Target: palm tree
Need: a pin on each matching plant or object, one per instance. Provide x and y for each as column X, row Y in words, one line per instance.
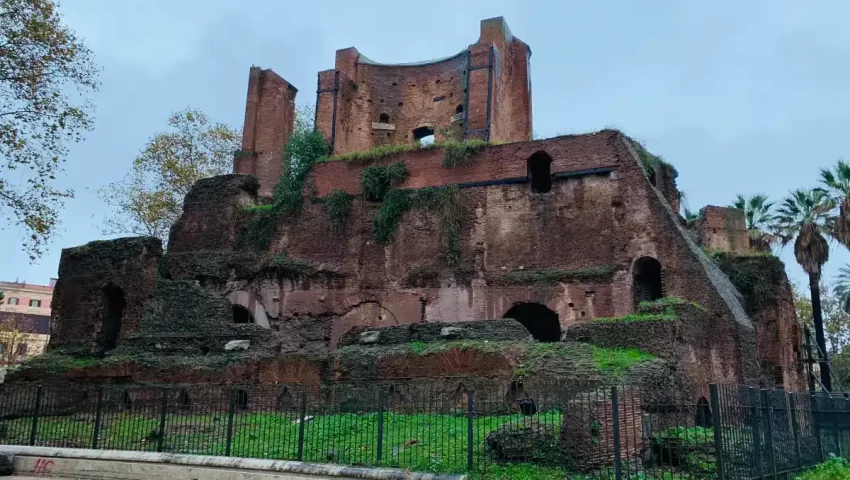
column 804, row 217
column 757, row 213
column 842, row 287
column 837, row 180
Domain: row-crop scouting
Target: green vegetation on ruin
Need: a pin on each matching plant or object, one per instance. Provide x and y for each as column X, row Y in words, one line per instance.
column 756, row 276
column 551, row 277
column 337, row 206
column 639, row 317
column 616, row 362
column 377, row 181
column 293, row 266
column 455, row 152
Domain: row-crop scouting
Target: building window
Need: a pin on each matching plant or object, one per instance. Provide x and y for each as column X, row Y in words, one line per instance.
column 35, row 303
column 2, row 348
column 539, row 172
column 13, row 301
column 424, row 135
column 384, row 118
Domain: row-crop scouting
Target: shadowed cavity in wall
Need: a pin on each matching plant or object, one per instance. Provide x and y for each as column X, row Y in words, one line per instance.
column 114, row 303
column 540, row 172
column 646, row 284
column 541, row 322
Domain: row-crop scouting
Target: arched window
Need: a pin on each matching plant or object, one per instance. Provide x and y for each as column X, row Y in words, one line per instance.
column 542, row 323
column 647, row 280
column 384, row 118
column 241, row 314
column 113, row 311
column 539, row 172
column 424, row 135
column 459, row 110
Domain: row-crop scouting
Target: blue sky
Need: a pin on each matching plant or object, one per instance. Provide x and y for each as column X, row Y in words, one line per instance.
column 739, row 96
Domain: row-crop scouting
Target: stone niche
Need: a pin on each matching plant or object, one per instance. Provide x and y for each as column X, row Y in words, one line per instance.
column 102, row 288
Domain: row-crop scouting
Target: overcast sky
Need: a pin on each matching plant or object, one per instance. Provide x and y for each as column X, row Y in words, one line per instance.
column 739, row 96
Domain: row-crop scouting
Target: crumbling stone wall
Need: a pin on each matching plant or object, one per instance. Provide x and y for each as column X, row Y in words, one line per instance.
column 724, row 229
column 362, row 104
column 103, row 285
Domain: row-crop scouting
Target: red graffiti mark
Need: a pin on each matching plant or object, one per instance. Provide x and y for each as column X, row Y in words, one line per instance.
column 42, row 465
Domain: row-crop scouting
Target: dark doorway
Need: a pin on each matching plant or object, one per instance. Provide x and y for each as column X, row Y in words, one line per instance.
column 540, row 172
column 652, row 178
column 384, row 118
column 241, row 399
column 284, row 400
column 459, row 110
column 183, row 401
column 114, row 303
column 647, row 280
column 542, row 323
column 126, row 401
column 703, row 417
column 241, row 314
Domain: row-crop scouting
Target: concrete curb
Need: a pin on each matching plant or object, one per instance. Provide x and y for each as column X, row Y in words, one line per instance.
column 282, row 466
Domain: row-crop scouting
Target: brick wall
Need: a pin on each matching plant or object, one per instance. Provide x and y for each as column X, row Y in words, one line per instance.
column 269, row 120
column 723, row 228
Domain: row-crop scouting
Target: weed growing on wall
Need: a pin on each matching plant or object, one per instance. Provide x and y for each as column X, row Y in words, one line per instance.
column 396, row 203
column 257, row 232
column 377, row 180
column 455, row 152
column 337, row 206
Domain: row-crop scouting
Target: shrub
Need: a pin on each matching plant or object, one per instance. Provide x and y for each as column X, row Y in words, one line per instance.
column 377, row 180
column 337, row 205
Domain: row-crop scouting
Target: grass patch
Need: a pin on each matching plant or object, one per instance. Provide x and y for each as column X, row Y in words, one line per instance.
column 836, row 468
column 639, row 317
column 688, row 436
column 435, row 443
column 551, row 277
column 617, row 361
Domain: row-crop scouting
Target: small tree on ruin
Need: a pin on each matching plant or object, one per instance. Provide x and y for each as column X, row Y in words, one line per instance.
column 758, row 217
column 150, row 198
column 46, row 74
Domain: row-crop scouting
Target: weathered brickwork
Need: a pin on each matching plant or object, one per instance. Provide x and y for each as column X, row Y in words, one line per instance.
column 552, row 233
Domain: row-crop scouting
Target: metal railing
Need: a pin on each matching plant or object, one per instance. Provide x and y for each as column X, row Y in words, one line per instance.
column 494, row 430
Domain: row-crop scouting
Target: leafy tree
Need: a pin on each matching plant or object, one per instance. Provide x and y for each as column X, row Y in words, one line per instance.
column 758, row 217
column 46, row 74
column 305, row 147
column 804, row 218
column 150, row 198
column 837, row 180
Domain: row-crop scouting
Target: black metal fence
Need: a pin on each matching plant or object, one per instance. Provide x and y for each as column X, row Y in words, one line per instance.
column 494, row 430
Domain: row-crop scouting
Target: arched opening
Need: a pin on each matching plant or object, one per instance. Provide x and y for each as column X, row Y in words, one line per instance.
column 542, row 323
column 703, row 416
column 126, row 401
column 424, row 135
column 539, row 171
column 515, row 392
column 284, row 400
column 114, row 303
column 241, row 314
column 461, row 397
column 652, row 178
column 241, row 399
column 647, row 280
column 393, row 397
column 183, row 401
column 459, row 110
column 384, row 118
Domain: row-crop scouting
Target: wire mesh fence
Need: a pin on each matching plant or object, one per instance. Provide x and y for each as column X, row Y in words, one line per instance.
column 493, row 430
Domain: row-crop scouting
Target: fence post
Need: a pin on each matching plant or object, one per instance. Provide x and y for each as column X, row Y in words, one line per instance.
column 769, row 432
column 230, row 408
column 98, row 413
column 756, row 421
column 816, row 418
column 615, row 411
column 795, row 427
column 163, row 408
column 380, row 426
column 470, row 411
column 35, row 412
column 717, row 424
column 302, row 416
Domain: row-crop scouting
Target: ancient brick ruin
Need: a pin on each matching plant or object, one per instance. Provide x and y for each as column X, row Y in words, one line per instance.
column 566, row 235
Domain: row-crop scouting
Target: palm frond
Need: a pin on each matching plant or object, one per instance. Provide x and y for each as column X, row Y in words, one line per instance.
column 804, row 217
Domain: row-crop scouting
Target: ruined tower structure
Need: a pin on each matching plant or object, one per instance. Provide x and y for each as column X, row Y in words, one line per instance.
column 483, row 236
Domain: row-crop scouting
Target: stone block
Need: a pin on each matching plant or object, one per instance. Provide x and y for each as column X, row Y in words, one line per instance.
column 237, row 345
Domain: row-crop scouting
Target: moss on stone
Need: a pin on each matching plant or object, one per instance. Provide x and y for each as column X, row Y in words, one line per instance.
column 551, row 277
column 758, row 277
